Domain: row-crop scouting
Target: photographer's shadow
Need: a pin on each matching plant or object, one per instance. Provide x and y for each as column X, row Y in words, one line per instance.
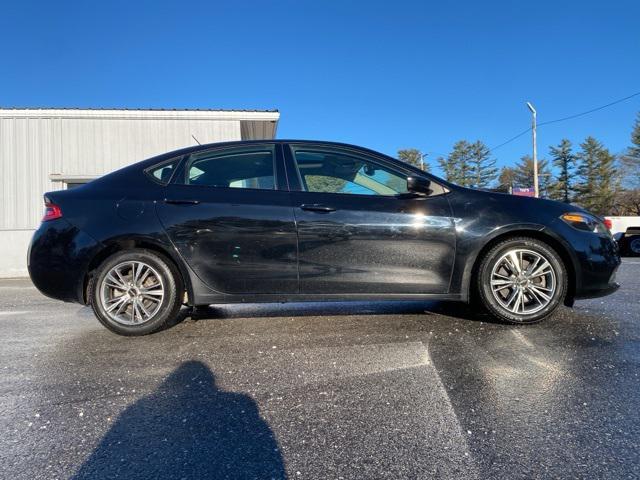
column 188, row 428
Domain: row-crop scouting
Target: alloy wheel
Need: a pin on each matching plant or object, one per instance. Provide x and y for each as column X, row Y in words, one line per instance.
column 523, row 281
column 132, row 292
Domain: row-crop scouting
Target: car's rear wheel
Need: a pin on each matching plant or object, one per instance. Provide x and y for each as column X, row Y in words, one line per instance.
column 136, row 292
column 521, row 280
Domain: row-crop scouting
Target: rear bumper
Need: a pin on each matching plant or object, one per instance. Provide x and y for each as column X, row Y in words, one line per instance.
column 58, row 258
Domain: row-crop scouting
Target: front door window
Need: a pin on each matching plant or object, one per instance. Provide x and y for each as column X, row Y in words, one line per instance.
column 337, row 172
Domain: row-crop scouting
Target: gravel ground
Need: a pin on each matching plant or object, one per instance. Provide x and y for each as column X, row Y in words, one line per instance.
column 363, row 390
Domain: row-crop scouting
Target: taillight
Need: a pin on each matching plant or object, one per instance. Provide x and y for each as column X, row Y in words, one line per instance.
column 608, row 223
column 51, row 212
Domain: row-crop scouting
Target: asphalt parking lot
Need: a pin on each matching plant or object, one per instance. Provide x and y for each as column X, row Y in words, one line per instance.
column 367, row 390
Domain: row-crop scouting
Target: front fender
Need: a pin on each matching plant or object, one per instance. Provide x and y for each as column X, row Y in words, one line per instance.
column 471, row 249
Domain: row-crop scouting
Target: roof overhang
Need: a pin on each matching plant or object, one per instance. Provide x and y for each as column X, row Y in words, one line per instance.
column 254, row 124
column 241, row 115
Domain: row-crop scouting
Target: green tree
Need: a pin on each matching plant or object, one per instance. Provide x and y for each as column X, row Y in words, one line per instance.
column 483, row 167
column 596, row 176
column 630, row 161
column 564, row 160
column 322, row 183
column 414, row 157
column 507, row 178
column 457, row 166
column 448, row 168
column 524, row 174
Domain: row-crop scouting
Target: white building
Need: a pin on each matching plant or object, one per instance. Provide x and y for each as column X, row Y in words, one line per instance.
column 52, row 149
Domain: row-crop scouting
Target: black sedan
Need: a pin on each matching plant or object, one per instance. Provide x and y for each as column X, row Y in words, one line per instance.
column 273, row 221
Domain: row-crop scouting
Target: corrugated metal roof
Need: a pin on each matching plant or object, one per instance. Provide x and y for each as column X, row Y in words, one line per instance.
column 275, row 110
column 130, row 113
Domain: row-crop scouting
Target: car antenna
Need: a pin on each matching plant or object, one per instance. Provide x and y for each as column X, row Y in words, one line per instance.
column 194, row 137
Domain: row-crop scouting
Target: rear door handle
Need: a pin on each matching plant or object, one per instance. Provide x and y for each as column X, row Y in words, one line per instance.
column 317, row 207
column 180, row 201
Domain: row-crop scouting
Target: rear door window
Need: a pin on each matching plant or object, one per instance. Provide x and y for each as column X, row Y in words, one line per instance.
column 253, row 168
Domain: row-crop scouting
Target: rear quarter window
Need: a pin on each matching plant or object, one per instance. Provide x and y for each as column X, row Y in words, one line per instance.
column 163, row 172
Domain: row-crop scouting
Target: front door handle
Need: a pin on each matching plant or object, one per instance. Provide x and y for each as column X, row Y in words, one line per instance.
column 317, row 207
column 176, row 201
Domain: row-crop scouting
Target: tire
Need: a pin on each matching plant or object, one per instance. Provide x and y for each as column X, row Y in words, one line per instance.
column 526, row 297
column 136, row 308
column 632, row 245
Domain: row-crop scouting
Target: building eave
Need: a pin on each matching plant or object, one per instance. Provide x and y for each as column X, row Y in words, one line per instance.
column 156, row 114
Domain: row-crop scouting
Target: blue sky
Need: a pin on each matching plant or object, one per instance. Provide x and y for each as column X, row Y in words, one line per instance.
column 386, row 75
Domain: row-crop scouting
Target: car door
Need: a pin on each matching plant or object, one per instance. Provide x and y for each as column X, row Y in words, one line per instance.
column 360, row 231
column 228, row 213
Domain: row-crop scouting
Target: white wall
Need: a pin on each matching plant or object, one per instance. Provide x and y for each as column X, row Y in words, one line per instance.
column 38, row 147
column 13, row 248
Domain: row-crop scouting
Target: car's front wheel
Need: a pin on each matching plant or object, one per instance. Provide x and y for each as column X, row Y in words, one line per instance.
column 136, row 292
column 522, row 280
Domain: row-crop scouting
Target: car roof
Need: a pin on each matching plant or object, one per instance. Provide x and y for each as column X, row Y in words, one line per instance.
column 287, row 140
column 206, row 146
column 197, row 148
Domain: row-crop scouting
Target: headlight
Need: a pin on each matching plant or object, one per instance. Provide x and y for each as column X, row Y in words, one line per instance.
column 584, row 222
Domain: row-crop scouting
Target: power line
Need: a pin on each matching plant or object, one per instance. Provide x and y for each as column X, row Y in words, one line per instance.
column 589, row 111
column 570, row 117
column 511, row 139
column 439, row 154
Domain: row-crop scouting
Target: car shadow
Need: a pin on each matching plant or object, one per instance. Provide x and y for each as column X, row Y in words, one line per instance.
column 306, row 309
column 188, row 428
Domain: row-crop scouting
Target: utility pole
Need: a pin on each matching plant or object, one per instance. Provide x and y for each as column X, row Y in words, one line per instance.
column 536, row 188
column 422, row 155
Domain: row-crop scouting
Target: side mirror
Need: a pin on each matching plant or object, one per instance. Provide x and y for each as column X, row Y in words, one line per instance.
column 419, row 185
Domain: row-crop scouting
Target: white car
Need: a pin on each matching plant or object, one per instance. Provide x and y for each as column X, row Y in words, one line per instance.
column 626, row 231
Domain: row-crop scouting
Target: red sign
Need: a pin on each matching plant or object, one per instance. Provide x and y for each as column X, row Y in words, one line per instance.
column 524, row 192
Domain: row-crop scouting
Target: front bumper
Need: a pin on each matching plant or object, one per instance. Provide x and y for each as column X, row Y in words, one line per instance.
column 599, row 261
column 602, row 292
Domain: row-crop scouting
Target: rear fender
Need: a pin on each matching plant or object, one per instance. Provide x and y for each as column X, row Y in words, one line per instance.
column 152, row 243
